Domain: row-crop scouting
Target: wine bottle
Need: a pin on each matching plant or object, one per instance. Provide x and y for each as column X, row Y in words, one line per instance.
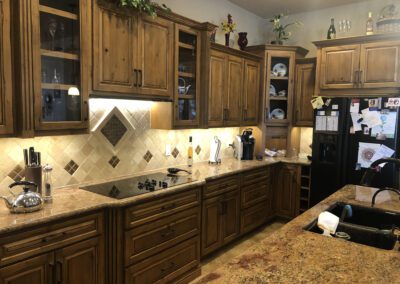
column 370, row 24
column 190, row 153
column 332, row 30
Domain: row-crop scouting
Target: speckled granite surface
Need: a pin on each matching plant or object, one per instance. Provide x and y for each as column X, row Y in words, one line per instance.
column 70, row 201
column 292, row 255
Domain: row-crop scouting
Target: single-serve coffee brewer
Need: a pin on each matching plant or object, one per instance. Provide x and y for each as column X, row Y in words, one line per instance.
column 248, row 143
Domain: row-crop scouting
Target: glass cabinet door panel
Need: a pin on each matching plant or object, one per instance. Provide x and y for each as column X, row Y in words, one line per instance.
column 71, row 6
column 60, row 71
column 59, row 33
column 58, row 105
column 187, row 109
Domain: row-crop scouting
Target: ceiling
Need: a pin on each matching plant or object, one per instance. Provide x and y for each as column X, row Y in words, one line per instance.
column 268, row 8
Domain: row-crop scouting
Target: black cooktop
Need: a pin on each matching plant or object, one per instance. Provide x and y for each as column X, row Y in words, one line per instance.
column 129, row 187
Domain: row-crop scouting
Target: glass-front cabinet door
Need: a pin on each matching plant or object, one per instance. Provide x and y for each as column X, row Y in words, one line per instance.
column 61, row 67
column 187, row 60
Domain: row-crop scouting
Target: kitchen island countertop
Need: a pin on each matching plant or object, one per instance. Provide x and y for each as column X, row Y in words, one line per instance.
column 292, row 255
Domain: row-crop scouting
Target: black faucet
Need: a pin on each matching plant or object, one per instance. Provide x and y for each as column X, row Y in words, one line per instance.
column 373, row 169
column 383, row 189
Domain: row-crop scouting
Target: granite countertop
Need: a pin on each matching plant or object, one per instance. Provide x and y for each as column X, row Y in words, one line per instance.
column 72, row 200
column 292, row 255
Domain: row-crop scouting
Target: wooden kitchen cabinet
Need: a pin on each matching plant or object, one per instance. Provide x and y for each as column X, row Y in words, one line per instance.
column 365, row 65
column 286, row 186
column 133, row 54
column 234, row 87
column 304, row 90
column 6, row 97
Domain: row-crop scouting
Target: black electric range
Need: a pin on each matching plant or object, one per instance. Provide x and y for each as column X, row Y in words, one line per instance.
column 134, row 186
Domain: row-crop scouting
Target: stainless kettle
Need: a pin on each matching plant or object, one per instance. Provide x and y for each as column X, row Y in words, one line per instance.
column 25, row 202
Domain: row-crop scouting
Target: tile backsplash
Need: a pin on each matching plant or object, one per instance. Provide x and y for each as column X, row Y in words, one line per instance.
column 121, row 142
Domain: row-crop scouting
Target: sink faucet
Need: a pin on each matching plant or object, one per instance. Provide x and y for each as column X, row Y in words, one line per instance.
column 373, row 169
column 383, row 189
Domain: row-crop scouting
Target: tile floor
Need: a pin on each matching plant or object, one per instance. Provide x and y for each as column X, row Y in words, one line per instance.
column 212, row 262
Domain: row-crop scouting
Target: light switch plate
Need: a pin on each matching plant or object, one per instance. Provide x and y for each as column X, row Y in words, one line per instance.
column 167, row 150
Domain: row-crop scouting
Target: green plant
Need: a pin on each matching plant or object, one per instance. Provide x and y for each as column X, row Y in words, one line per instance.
column 146, row 6
column 229, row 26
column 280, row 31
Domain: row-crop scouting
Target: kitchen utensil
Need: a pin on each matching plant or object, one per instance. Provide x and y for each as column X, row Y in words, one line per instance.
column 277, row 114
column 48, row 184
column 31, row 155
column 215, row 148
column 279, row 69
column 238, row 147
column 183, row 89
column 33, row 174
column 174, row 171
column 248, row 142
column 272, row 90
column 26, row 158
column 25, row 202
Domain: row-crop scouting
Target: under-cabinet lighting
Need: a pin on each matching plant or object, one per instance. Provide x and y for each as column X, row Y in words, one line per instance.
column 73, row 91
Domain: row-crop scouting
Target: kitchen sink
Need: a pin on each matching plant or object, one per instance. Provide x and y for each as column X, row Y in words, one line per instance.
column 366, row 225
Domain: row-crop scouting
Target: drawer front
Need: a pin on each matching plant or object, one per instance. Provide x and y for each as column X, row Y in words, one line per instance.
column 253, row 217
column 149, row 239
column 219, row 186
column 149, row 211
column 254, row 193
column 167, row 266
column 255, row 176
column 19, row 245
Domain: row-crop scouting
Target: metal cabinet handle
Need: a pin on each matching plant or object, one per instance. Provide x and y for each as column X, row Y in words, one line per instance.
column 140, row 78
column 224, row 114
column 266, row 115
column 227, row 114
column 135, row 74
column 59, row 272
column 355, row 81
column 360, row 78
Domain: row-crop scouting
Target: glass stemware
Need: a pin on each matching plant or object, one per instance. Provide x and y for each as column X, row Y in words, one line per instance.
column 52, row 27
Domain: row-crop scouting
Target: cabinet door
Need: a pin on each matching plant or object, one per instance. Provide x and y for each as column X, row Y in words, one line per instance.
column 35, row 270
column 339, row 67
column 6, row 117
column 304, row 86
column 156, row 50
column 251, row 92
column 233, row 98
column 211, row 225
column 287, row 191
column 114, row 50
column 380, row 65
column 230, row 217
column 216, row 89
column 81, row 263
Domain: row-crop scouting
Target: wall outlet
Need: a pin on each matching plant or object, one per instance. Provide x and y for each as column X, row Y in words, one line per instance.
column 167, row 150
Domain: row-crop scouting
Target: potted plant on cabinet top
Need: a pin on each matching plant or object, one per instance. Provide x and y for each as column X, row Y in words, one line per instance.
column 281, row 32
column 228, row 28
column 146, row 6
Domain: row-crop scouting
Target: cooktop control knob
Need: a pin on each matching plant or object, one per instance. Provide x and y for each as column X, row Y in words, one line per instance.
column 140, row 185
column 153, row 182
column 151, row 188
column 164, row 184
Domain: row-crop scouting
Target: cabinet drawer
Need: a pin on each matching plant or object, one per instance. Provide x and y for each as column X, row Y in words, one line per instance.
column 19, row 245
column 254, row 193
column 216, row 187
column 146, row 212
column 167, row 266
column 151, row 238
column 255, row 176
column 253, row 217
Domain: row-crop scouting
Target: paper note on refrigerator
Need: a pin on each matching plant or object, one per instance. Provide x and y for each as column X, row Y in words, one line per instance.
column 355, row 117
column 382, row 152
column 355, row 106
column 388, row 126
column 332, row 123
column 371, row 118
column 320, row 123
column 365, row 153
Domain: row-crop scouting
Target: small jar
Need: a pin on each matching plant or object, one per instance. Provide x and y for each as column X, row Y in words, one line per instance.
column 47, row 184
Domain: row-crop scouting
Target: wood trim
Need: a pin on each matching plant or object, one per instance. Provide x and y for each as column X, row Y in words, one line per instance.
column 58, row 12
column 302, row 52
column 358, row 39
column 59, row 54
column 236, row 52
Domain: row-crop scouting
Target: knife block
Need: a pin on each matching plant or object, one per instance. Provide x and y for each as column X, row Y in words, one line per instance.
column 34, row 174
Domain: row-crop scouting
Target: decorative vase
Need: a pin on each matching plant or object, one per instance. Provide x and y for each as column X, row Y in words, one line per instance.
column 242, row 41
column 277, row 42
column 227, row 35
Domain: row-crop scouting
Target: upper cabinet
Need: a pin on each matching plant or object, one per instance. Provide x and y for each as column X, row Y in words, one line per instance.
column 234, row 87
column 6, row 102
column 303, row 92
column 51, row 69
column 133, row 55
column 366, row 65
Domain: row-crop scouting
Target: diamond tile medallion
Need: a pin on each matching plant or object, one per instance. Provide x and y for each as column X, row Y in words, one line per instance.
column 148, row 156
column 175, row 152
column 114, row 130
column 71, row 167
column 114, row 161
column 198, row 150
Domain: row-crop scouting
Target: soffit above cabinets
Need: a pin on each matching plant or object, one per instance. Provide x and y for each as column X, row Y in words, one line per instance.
column 268, row 8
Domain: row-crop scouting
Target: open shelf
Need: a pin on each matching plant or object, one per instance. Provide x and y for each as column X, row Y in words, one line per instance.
column 278, row 98
column 59, row 54
column 58, row 12
column 52, row 86
column 187, row 97
column 187, row 46
column 186, row 74
column 279, row 77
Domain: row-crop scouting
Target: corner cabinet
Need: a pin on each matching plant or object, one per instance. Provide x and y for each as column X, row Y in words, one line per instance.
column 234, row 87
column 133, row 54
column 52, row 58
column 303, row 92
column 6, row 100
column 367, row 65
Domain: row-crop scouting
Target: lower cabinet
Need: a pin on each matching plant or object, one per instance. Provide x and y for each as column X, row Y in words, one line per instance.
column 71, row 252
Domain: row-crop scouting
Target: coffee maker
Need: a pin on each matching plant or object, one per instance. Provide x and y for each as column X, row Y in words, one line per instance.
column 248, row 143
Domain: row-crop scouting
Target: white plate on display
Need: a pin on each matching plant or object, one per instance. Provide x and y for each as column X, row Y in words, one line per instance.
column 272, row 91
column 279, row 69
column 277, row 114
